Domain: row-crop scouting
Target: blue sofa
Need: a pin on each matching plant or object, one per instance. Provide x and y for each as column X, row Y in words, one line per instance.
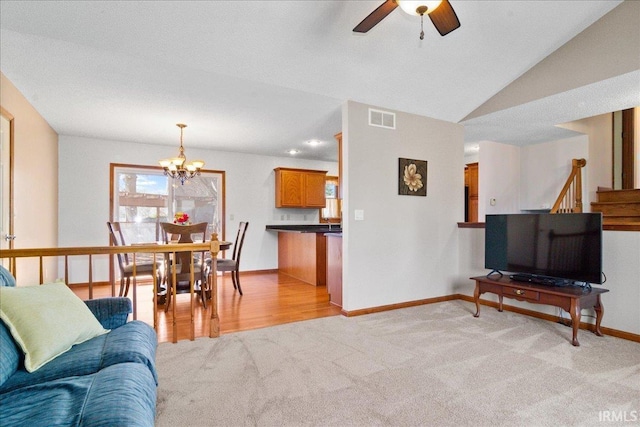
column 110, row 380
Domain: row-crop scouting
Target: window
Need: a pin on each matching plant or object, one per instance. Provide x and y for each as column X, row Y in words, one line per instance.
column 143, row 197
column 332, row 211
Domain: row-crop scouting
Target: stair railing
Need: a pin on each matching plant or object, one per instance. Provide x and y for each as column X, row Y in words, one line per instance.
column 570, row 198
column 16, row 255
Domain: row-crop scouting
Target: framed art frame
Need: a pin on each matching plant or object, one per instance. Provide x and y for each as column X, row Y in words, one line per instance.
column 412, row 177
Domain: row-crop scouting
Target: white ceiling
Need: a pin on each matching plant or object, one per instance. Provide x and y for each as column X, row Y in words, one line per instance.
column 265, row 76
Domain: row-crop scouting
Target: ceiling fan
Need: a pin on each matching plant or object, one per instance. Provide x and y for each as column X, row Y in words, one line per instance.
column 442, row 15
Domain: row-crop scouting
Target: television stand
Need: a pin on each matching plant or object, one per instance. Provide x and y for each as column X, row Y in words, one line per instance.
column 571, row 299
column 539, row 280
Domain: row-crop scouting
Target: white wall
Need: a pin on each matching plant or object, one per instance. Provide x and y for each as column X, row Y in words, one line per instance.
column 498, row 178
column 470, row 259
column 599, row 130
column 471, row 158
column 545, row 168
column 531, row 177
column 620, row 255
column 250, row 194
column 406, row 248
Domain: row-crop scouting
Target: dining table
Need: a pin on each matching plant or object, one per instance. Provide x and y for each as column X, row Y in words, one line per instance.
column 184, row 238
column 161, row 292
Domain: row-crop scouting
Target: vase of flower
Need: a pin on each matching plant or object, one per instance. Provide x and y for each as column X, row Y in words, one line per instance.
column 181, row 218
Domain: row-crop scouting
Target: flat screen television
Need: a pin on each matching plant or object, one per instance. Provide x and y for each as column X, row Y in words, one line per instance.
column 555, row 249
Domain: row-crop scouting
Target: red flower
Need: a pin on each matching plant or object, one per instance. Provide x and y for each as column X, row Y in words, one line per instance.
column 181, row 217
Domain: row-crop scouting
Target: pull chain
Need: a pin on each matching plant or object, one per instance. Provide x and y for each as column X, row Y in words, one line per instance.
column 421, row 27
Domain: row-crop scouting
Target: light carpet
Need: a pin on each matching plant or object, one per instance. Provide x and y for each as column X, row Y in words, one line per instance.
column 431, row 365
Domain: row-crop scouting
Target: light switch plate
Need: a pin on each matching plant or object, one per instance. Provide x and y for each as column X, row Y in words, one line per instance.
column 358, row 215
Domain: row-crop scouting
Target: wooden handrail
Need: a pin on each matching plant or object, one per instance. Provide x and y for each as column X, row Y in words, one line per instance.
column 212, row 246
column 570, row 198
column 102, row 250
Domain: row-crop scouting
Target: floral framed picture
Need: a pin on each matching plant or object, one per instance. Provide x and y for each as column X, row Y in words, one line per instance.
column 412, row 177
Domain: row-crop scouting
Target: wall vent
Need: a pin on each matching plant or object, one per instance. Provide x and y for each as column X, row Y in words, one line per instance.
column 383, row 119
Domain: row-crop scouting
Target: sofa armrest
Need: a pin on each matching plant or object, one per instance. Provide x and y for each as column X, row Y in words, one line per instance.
column 110, row 312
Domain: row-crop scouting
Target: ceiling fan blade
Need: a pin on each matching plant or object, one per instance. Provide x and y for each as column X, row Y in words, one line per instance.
column 376, row 16
column 444, row 18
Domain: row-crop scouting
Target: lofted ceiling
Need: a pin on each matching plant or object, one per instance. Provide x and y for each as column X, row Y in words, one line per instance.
column 266, row 76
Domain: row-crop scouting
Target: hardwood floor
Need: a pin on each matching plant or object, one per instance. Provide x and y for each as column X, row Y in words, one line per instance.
column 269, row 299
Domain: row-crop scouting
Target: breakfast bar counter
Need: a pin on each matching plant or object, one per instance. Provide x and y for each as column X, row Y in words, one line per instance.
column 306, row 228
column 302, row 251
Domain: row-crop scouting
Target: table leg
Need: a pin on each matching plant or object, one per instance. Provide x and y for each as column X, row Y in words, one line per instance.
column 476, row 298
column 500, row 303
column 575, row 320
column 599, row 309
column 214, row 328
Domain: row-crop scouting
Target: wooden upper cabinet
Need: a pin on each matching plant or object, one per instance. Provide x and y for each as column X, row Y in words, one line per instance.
column 315, row 189
column 299, row 188
column 289, row 188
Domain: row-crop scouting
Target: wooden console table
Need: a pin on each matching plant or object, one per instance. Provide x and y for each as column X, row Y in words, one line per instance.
column 571, row 299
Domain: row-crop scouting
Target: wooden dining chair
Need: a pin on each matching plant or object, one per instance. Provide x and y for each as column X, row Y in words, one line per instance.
column 233, row 264
column 174, row 233
column 125, row 263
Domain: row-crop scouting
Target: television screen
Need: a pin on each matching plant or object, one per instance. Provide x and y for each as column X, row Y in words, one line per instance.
column 563, row 246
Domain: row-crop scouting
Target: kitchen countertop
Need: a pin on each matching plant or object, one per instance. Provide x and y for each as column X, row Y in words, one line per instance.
column 306, row 228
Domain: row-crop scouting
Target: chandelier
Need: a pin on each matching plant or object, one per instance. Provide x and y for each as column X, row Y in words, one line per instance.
column 178, row 167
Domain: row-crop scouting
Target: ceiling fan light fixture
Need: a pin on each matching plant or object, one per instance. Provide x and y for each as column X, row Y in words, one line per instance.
column 419, row 7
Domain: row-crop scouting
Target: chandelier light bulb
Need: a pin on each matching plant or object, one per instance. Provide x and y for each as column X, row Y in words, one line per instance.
column 178, row 168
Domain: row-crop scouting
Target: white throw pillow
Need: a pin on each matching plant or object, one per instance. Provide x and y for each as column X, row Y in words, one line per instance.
column 46, row 321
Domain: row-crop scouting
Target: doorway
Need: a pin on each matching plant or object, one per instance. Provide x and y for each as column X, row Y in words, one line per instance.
column 471, row 192
column 6, row 184
column 624, row 167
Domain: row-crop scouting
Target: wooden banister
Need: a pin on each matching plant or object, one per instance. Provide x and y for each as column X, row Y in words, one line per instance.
column 570, row 198
column 212, row 246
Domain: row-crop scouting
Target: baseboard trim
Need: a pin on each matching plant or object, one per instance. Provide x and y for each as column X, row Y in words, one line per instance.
column 398, row 305
column 586, row 326
column 270, row 271
column 556, row 319
column 86, row 284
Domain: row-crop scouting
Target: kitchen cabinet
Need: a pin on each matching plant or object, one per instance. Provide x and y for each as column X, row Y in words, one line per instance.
column 302, row 251
column 303, row 256
column 334, row 268
column 300, row 188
